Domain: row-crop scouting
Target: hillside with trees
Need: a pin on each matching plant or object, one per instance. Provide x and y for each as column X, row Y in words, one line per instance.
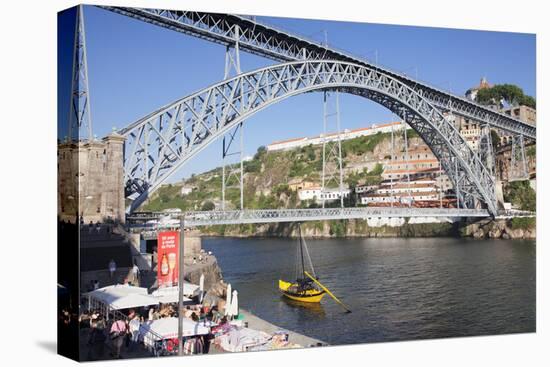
column 268, row 174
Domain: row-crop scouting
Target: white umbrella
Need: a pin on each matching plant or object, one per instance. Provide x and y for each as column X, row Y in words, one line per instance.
column 234, row 309
column 228, row 300
column 201, row 287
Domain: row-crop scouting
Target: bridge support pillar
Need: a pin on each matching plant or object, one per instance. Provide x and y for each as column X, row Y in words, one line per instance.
column 80, row 119
column 232, row 68
column 332, row 174
column 518, row 163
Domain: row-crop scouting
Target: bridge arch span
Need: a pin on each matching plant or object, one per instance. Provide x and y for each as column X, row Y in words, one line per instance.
column 160, row 143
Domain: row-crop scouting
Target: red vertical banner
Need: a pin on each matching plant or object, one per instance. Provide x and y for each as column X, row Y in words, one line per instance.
column 167, row 251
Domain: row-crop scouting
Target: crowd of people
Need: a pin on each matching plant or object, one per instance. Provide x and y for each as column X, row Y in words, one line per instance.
column 126, row 332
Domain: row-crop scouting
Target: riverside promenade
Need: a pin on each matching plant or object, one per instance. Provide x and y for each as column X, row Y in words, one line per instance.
column 254, row 322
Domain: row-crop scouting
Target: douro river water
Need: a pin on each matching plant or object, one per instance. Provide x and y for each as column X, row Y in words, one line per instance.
column 398, row 289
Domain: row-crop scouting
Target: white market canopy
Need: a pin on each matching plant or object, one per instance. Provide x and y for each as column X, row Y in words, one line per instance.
column 167, row 328
column 133, row 300
column 122, row 296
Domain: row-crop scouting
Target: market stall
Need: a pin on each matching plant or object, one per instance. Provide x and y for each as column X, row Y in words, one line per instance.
column 119, row 297
column 162, row 335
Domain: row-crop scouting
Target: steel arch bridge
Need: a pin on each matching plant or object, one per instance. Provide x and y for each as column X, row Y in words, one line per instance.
column 280, row 45
column 160, row 143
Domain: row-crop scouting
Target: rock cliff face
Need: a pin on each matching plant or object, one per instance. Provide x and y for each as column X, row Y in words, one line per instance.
column 334, row 229
column 365, row 228
column 212, row 274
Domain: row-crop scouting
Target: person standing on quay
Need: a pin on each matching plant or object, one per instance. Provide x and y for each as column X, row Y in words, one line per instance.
column 112, row 268
column 135, row 274
column 118, row 334
column 134, row 326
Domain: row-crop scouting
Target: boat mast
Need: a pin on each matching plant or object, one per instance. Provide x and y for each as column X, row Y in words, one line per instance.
column 301, row 248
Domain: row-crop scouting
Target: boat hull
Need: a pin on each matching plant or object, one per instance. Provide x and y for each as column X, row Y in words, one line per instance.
column 309, row 296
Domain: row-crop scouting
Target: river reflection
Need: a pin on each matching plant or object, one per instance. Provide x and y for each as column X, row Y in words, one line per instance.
column 313, row 309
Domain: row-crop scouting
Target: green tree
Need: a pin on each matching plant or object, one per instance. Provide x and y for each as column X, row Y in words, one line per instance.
column 521, row 195
column 511, row 94
column 260, row 152
column 254, row 165
column 208, row 206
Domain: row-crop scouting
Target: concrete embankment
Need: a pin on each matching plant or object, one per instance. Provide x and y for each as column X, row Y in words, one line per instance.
column 254, row 322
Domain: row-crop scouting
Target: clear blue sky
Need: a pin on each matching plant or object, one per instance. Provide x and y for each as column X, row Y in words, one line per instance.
column 135, row 67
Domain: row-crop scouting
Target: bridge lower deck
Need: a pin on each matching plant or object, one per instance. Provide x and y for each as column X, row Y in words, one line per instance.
column 208, row 218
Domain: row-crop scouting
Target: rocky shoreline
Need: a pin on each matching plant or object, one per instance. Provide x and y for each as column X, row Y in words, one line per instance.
column 495, row 229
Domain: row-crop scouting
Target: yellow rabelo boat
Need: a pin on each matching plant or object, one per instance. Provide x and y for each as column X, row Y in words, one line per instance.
column 304, row 289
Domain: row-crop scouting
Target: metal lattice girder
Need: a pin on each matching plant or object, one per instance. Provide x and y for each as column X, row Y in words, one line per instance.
column 276, row 44
column 485, row 149
column 215, row 217
column 518, row 163
column 79, row 114
column 160, row 143
column 332, row 170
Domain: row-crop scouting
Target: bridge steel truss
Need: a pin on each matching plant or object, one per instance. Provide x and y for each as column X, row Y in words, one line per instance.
column 158, row 144
column 219, row 217
column 268, row 41
column 80, row 119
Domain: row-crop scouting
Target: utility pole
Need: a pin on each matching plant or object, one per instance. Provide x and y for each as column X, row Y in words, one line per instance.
column 180, row 285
